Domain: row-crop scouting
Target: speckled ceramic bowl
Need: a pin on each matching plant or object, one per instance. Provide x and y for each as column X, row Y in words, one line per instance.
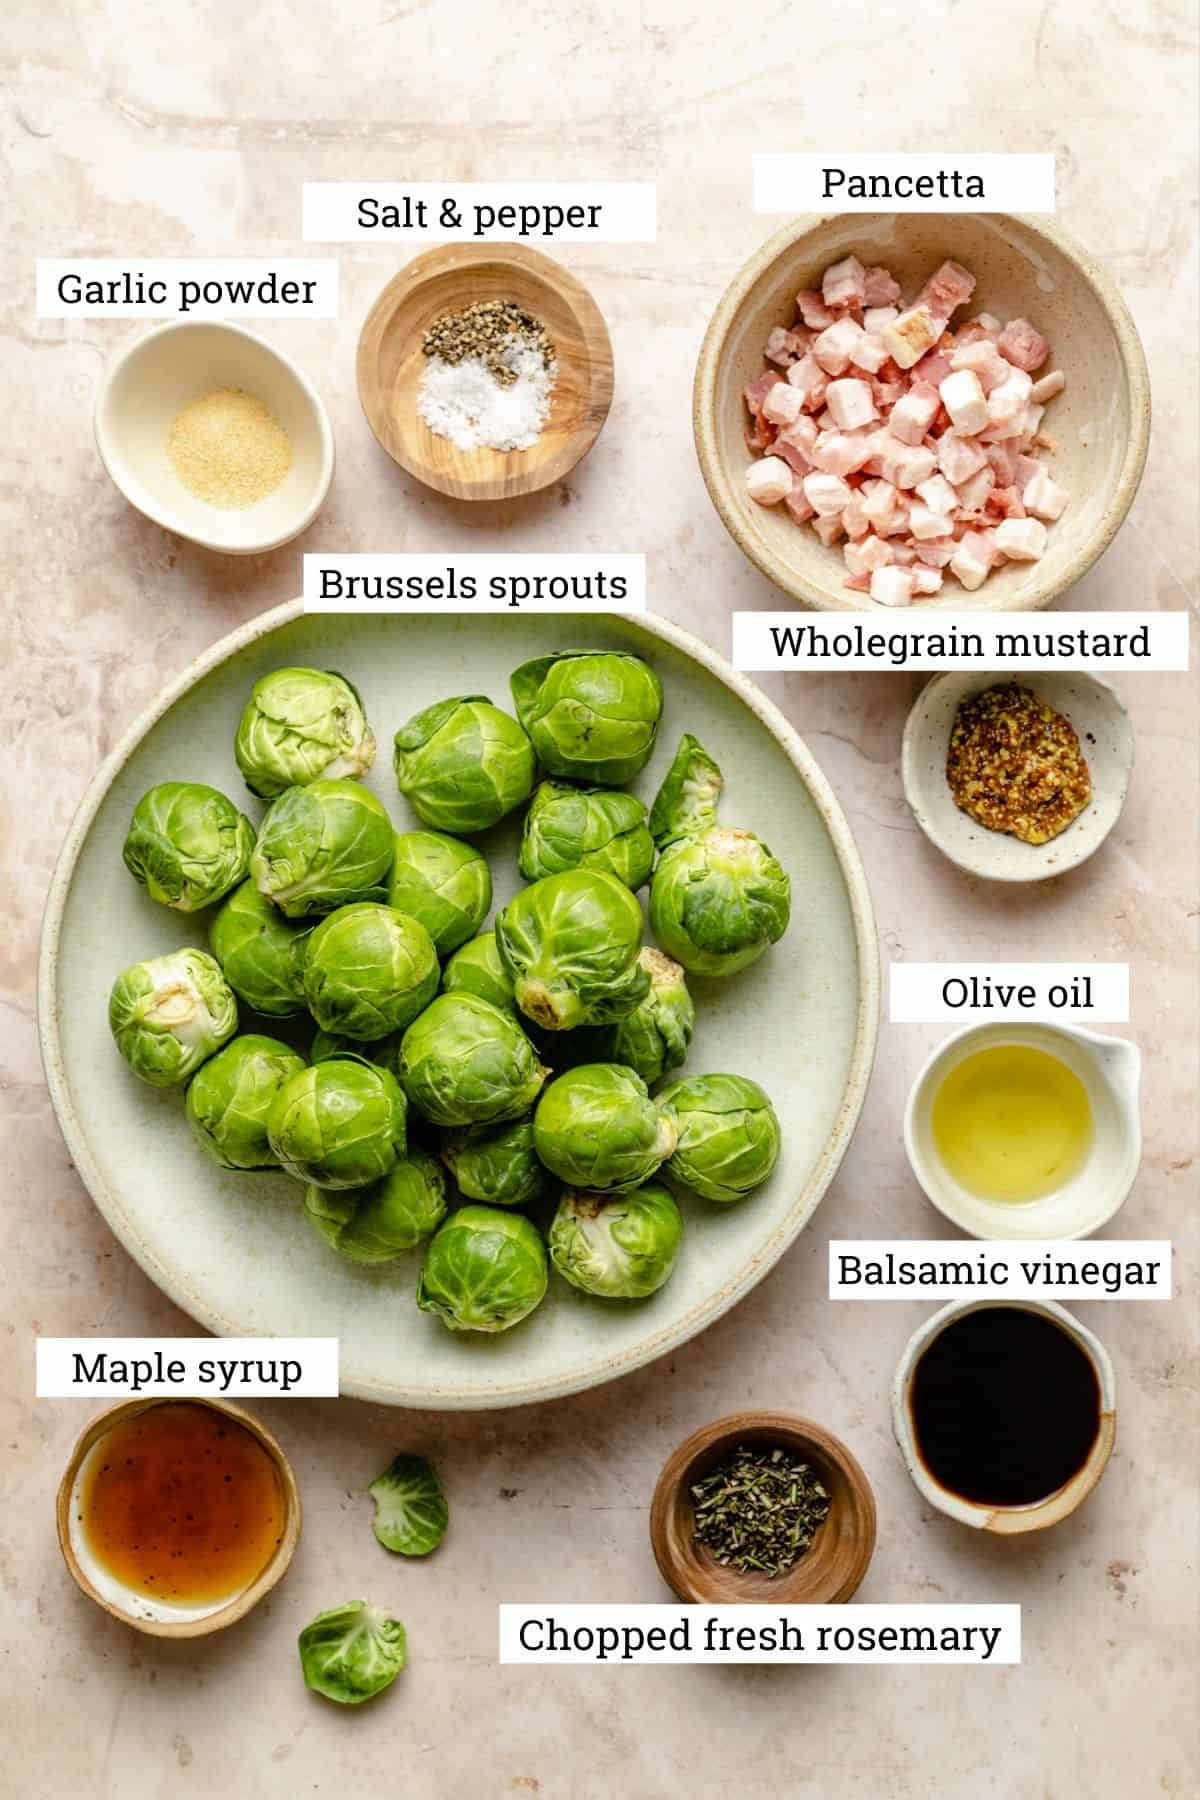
column 1029, row 268
column 1105, row 737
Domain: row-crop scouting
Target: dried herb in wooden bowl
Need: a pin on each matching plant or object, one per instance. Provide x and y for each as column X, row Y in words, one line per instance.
column 759, row 1509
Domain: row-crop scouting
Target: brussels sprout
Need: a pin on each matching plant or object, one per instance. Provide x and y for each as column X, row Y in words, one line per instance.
column 300, row 724
column 596, row 1127
column 338, row 1124
column 411, row 1514
column 621, row 1247
column 728, row 1135
column 369, row 970
column 260, row 952
column 500, row 1167
column 187, row 844
column 570, row 943
column 485, row 1270
column 352, row 1652
column 592, row 714
column 464, row 1062
column 229, row 1097
column 586, row 828
column 378, row 1223
column 686, row 803
column 477, row 969
column 383, row 1052
column 321, row 847
column 462, row 764
column 169, row 1013
column 654, row 1037
column 443, row 883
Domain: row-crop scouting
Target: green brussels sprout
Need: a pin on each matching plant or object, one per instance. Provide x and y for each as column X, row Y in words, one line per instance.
column 323, row 846
column 187, row 844
column 299, row 725
column 352, row 1652
column 260, row 952
column 484, row 1270
column 169, row 1013
column 654, row 1037
column 728, row 1135
column 378, row 1223
column 229, row 1097
column 369, row 970
column 592, row 714
column 686, row 803
column 586, row 828
column 462, row 764
column 621, row 1247
column 411, row 1514
column 499, row 1167
column 570, row 944
column 464, row 1062
column 338, row 1124
column 443, row 883
column 478, row 969
column 596, row 1127
column 383, row 1052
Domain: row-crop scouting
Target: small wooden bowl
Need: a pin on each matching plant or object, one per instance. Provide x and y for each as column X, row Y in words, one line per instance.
column 836, row 1560
column 391, row 364
column 240, row 1604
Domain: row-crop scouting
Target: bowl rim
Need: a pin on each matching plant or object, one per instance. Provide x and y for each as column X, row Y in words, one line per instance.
column 240, row 1604
column 105, row 437
column 725, row 1296
column 793, row 582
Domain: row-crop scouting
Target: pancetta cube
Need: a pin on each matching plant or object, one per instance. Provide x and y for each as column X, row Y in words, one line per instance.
column 892, row 586
column 854, row 520
column 810, row 378
column 937, row 494
column 973, row 494
column 876, row 317
column 844, row 283
column 949, row 286
column 904, row 465
column 756, row 391
column 1043, row 497
column 863, row 558
column 769, row 480
column 924, row 522
column 985, row 360
column 959, row 458
column 914, row 412
column 1024, row 540
column 832, row 349
column 850, row 402
column 1006, row 404
column 882, row 506
column 784, row 347
column 802, row 433
column 909, row 337
column 972, row 561
column 784, row 404
column 1022, row 345
column 925, row 582
column 813, row 310
column 880, row 286
column 799, row 505
column 827, row 494
column 828, row 528
column 841, row 452
column 964, row 400
column 869, row 353
column 1048, row 386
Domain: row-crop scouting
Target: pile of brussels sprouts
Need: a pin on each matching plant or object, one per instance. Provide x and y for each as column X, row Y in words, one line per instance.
column 518, row 1062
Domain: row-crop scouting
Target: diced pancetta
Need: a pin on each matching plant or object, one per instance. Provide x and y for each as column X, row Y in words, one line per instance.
column 769, row 480
column 813, row 310
column 1022, row 345
column 844, row 283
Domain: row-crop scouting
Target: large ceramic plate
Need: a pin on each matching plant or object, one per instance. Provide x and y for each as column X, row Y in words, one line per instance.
column 235, row 1251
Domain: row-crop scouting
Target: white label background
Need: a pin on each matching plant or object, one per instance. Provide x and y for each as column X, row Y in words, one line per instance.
column 915, row 992
column 1022, row 181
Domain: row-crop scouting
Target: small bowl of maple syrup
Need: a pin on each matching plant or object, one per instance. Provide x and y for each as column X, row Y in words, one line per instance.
column 177, row 1516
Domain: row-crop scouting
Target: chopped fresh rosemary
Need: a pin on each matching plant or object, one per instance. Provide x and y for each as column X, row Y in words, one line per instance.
column 759, row 1509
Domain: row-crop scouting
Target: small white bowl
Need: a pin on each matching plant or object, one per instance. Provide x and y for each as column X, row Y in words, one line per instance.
column 176, row 363
column 1105, row 737
column 1110, row 1070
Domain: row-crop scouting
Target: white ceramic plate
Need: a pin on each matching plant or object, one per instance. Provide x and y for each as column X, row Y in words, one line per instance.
column 235, row 1250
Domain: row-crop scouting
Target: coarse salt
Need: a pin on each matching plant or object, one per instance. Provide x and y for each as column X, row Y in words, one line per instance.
column 464, row 402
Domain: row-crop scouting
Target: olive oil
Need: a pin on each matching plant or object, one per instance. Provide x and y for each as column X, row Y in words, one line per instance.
column 1012, row 1123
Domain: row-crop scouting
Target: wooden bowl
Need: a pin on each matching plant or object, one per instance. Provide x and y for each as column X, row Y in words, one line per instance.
column 391, row 363
column 836, row 1560
column 126, row 1606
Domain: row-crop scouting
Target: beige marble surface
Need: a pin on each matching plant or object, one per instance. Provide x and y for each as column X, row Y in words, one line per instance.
column 134, row 128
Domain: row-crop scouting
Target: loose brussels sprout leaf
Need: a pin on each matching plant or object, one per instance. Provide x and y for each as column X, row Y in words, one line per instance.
column 498, row 1167
column 299, row 725
column 369, row 970
column 260, row 952
column 596, row 1128
column 169, row 1013
column 378, row 1223
column 728, row 1135
column 570, row 944
column 443, row 883
column 686, row 803
column 321, row 847
column 622, row 1248
column 187, row 844
column 462, row 764
column 411, row 1514
column 718, row 901
column 352, row 1652
column 477, row 969
column 485, row 1270
column 383, row 1052
column 586, row 828
column 229, row 1097
column 654, row 1037
column 338, row 1124
column 464, row 1062
column 592, row 714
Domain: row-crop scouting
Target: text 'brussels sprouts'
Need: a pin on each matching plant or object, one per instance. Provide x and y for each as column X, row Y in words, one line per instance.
column 299, row 725
column 586, row 828
column 596, row 1127
column 485, row 1270
column 230, row 1096
column 478, row 969
column 499, row 1167
column 622, row 1246
column 443, row 883
column 338, row 1124
column 570, row 944
column 352, row 1652
column 369, row 970
column 411, row 1514
column 592, row 714
column 321, row 847
column 728, row 1135
column 654, row 1037
column 378, row 1223
column 187, row 844
column 462, row 764
column 168, row 1014
column 464, row 1062
column 260, row 952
